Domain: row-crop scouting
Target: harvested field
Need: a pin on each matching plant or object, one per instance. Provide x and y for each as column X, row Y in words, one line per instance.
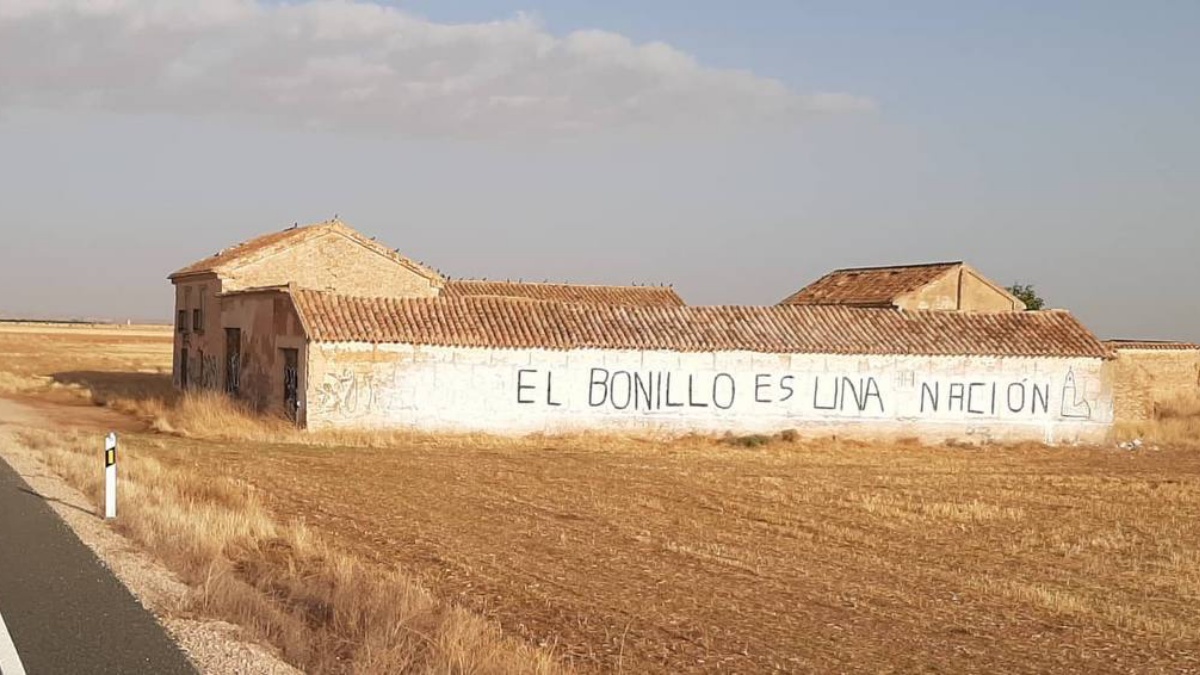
column 626, row 555
column 814, row 558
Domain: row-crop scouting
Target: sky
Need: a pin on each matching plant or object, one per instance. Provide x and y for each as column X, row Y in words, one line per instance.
column 736, row 151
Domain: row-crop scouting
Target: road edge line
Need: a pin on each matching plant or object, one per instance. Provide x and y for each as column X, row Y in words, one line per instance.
column 10, row 660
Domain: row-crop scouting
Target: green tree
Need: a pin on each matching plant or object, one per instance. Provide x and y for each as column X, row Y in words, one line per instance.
column 1028, row 295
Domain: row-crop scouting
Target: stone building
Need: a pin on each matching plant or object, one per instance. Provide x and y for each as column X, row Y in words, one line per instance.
column 1147, row 373
column 209, row 346
column 951, row 286
column 222, row 324
column 335, row 330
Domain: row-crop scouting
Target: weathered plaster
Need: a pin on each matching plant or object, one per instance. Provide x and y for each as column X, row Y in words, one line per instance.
column 360, row 385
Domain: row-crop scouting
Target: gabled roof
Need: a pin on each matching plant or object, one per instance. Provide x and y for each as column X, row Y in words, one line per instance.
column 266, row 245
column 646, row 296
column 495, row 322
column 868, row 286
column 1159, row 345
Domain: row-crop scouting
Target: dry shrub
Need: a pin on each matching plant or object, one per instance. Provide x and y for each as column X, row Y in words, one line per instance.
column 14, row 383
column 1183, row 406
column 326, row 611
column 204, row 414
column 209, row 415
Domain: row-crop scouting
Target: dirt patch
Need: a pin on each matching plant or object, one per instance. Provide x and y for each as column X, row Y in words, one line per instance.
column 13, row 413
column 65, row 414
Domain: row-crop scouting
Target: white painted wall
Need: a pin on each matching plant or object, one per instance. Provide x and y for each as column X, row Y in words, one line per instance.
column 360, row 385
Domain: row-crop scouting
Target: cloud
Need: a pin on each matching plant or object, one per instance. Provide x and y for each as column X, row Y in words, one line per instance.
column 342, row 64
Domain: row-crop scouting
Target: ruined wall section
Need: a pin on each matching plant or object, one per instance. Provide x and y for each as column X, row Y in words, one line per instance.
column 1143, row 378
column 971, row 399
column 333, row 262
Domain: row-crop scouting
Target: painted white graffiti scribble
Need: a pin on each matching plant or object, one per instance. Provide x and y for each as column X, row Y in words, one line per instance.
column 351, row 394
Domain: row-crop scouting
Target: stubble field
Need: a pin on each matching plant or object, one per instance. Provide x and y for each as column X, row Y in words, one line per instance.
column 626, row 555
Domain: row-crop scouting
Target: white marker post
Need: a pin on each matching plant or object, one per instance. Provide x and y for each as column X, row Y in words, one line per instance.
column 110, row 476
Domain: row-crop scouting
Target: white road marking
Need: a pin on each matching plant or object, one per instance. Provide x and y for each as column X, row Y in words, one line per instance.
column 10, row 662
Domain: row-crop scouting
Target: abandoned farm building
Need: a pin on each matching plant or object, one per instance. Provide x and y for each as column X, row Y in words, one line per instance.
column 936, row 286
column 333, row 329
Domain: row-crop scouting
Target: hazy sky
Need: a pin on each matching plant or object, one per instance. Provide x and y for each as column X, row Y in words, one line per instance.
column 735, row 150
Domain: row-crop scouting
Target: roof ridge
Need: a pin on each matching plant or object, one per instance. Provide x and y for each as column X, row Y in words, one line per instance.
column 879, row 268
column 557, row 283
column 266, row 244
column 1153, row 344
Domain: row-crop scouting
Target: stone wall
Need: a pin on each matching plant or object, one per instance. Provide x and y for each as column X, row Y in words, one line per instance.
column 981, row 295
column 1142, row 378
column 336, row 263
column 962, row 290
column 971, row 399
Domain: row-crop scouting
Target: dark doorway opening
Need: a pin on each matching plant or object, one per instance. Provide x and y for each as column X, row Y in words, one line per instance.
column 291, row 383
column 233, row 360
column 183, row 369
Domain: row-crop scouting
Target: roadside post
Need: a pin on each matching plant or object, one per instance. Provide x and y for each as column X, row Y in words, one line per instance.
column 110, row 476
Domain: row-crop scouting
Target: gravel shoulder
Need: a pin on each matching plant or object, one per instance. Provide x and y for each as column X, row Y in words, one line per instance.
column 215, row 647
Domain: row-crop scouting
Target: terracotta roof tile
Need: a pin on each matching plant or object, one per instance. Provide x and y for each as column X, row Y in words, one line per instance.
column 489, row 321
column 267, row 244
column 1163, row 345
column 868, row 286
column 646, row 296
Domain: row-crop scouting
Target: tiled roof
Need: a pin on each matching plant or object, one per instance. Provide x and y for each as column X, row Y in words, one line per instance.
column 1164, row 345
column 267, row 244
column 868, row 286
column 517, row 323
column 646, row 296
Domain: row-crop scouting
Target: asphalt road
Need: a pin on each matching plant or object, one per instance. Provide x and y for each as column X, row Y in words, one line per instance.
column 64, row 610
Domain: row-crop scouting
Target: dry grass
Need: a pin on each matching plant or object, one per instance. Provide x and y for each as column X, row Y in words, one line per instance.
column 327, row 611
column 695, row 556
column 1176, row 422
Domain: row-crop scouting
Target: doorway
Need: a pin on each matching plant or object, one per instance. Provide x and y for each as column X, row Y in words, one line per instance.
column 183, row 369
column 233, row 360
column 291, row 383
